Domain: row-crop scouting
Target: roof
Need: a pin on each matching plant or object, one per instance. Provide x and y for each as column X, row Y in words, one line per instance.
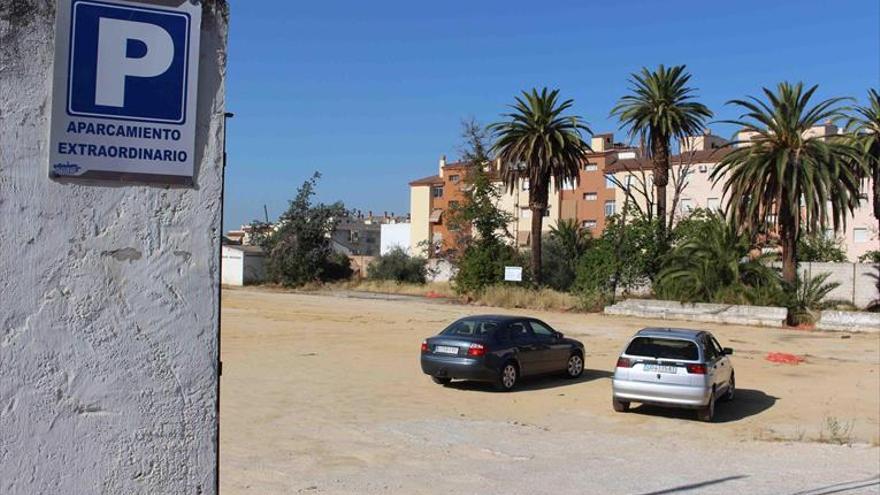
column 427, row 181
column 643, row 163
column 684, row 333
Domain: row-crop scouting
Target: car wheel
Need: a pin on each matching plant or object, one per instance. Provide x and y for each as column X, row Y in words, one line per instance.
column 575, row 366
column 619, row 405
column 507, row 377
column 441, row 380
column 731, row 389
column 707, row 412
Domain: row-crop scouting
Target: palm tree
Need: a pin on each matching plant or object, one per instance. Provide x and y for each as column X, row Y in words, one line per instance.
column 865, row 129
column 660, row 108
column 541, row 143
column 783, row 177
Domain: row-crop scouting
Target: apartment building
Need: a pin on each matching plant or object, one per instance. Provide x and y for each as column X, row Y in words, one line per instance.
column 589, row 201
column 697, row 158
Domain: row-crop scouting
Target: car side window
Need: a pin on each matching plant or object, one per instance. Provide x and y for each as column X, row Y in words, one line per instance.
column 541, row 331
column 519, row 332
column 709, row 349
column 718, row 349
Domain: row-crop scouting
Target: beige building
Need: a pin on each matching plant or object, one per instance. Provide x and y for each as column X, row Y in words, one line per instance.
column 695, row 161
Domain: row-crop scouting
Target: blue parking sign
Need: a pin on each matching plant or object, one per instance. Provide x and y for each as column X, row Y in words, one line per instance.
column 128, row 62
column 125, row 91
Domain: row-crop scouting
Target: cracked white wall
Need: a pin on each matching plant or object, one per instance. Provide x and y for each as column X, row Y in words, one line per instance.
column 108, row 295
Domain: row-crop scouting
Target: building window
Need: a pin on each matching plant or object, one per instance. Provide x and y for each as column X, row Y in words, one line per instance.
column 686, row 205
column 590, row 196
column 609, row 181
column 437, row 191
column 591, row 167
column 860, row 235
column 713, row 203
column 525, row 184
column 547, row 212
column 609, row 208
column 525, row 213
column 353, row 236
column 454, row 179
column 568, row 185
column 588, row 224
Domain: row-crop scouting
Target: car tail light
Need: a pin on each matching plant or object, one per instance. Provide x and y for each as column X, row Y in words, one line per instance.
column 425, row 346
column 624, row 363
column 696, row 369
column 476, row 350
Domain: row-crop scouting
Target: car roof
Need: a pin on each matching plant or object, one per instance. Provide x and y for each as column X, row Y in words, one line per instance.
column 497, row 318
column 680, row 333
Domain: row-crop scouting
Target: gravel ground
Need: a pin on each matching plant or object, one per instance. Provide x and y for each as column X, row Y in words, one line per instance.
column 324, row 394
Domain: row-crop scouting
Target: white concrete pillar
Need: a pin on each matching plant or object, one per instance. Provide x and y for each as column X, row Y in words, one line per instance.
column 108, row 295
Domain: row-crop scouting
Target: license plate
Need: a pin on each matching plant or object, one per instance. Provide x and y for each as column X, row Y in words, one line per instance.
column 657, row 368
column 443, row 349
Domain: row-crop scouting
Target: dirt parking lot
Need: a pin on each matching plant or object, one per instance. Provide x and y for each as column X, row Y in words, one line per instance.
column 324, row 394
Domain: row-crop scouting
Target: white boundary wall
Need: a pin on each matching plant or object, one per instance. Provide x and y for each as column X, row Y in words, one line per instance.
column 108, row 300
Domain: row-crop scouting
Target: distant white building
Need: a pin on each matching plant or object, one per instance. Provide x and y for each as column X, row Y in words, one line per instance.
column 394, row 235
column 243, row 265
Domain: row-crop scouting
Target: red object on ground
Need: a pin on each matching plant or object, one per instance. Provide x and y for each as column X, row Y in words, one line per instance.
column 433, row 295
column 783, row 358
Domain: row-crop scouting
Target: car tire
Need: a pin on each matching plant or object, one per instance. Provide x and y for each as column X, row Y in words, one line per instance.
column 731, row 389
column 619, row 405
column 707, row 412
column 575, row 365
column 441, row 380
column 507, row 377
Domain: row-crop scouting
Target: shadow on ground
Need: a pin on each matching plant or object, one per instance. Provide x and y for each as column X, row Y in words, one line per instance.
column 747, row 403
column 695, row 486
column 535, row 383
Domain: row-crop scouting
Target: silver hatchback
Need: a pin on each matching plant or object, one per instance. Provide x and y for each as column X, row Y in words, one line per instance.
column 674, row 367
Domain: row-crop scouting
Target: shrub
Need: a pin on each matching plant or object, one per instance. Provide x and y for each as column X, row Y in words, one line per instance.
column 713, row 265
column 820, row 248
column 807, row 298
column 482, row 265
column 596, row 268
column 870, row 257
column 510, row 296
column 592, row 301
column 399, row 266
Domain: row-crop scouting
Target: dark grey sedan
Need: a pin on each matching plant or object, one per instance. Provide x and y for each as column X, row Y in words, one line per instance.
column 500, row 349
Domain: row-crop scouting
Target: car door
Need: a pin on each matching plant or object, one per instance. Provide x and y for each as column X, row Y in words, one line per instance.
column 552, row 353
column 724, row 361
column 713, row 361
column 526, row 348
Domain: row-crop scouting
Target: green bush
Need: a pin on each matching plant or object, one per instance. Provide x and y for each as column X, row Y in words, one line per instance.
column 870, row 257
column 399, row 266
column 482, row 264
column 596, row 268
column 820, row 248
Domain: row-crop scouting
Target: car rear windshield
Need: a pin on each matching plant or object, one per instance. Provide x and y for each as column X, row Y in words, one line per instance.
column 471, row 328
column 661, row 348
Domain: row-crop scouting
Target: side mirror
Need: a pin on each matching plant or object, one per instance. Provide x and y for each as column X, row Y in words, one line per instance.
column 559, row 335
column 727, row 351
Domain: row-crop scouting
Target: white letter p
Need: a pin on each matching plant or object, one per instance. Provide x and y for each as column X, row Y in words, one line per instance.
column 114, row 64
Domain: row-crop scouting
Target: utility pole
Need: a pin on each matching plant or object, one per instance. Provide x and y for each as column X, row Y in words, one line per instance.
column 226, row 117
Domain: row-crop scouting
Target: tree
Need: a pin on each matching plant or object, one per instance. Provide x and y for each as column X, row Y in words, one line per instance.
column 484, row 254
column 865, row 129
column 299, row 251
column 542, row 143
column 661, row 108
column 397, row 265
column 784, row 177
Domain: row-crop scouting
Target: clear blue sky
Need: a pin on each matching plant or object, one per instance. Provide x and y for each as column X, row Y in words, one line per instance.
column 372, row 93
